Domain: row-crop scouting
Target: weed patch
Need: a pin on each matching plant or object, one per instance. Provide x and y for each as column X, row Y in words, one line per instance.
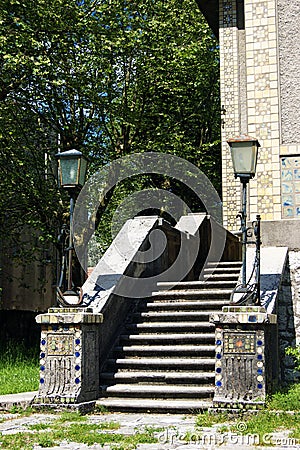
column 207, row 419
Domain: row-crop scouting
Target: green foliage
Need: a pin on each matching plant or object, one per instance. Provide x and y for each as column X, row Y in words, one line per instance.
column 295, row 353
column 107, row 78
column 287, row 399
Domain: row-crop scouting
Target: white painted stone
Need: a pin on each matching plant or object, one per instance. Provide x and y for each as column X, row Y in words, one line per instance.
column 112, row 266
column 190, row 223
column 272, row 265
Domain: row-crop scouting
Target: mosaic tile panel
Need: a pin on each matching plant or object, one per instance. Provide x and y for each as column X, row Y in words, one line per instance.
column 260, row 10
column 260, row 57
column 262, row 82
column 261, row 33
column 290, row 187
column 229, row 93
column 239, row 343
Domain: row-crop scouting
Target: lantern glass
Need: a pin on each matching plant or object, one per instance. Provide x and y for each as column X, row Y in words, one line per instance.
column 72, row 169
column 82, row 171
column 244, row 156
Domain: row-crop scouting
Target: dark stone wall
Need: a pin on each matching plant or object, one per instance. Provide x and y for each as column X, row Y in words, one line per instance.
column 19, row 326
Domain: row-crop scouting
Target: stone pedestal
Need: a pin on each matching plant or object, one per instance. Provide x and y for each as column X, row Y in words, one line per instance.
column 246, row 365
column 69, row 358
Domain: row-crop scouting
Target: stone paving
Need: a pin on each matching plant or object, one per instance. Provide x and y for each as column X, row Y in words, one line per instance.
column 173, row 435
column 175, row 428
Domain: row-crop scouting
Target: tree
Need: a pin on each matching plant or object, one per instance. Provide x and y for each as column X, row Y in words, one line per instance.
column 105, row 77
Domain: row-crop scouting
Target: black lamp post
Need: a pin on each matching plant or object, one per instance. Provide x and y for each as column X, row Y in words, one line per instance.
column 72, row 167
column 244, row 150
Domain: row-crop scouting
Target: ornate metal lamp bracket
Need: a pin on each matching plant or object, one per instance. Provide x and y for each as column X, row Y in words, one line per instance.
column 248, row 292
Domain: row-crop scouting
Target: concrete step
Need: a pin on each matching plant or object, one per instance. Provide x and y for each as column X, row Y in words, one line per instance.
column 224, row 264
column 173, row 316
column 163, row 391
column 164, row 364
column 195, row 305
column 219, row 276
column 194, row 285
column 181, row 307
column 173, row 327
column 175, row 338
column 201, row 294
column 222, row 269
column 164, row 350
column 154, row 405
column 156, row 377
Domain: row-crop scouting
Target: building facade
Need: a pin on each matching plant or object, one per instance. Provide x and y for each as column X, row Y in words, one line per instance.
column 260, row 97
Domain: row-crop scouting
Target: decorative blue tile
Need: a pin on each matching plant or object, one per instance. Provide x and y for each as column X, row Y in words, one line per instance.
column 296, row 174
column 259, row 343
column 77, row 341
column 77, row 354
column 260, row 386
column 290, row 186
column 42, row 381
column 77, row 380
column 77, row 367
column 287, row 188
column 259, row 357
column 42, row 355
column 259, row 371
column 287, row 175
column 218, row 370
column 219, row 383
column 288, row 212
column 287, row 200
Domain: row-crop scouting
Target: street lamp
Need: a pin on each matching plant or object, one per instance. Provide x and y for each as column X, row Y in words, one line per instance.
column 72, row 167
column 244, row 150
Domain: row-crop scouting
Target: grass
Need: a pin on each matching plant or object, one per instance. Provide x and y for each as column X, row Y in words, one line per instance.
column 19, row 370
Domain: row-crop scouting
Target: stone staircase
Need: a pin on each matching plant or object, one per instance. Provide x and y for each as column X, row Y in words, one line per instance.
column 164, row 358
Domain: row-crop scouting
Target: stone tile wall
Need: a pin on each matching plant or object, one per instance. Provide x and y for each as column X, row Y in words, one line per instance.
column 230, row 100
column 264, row 56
